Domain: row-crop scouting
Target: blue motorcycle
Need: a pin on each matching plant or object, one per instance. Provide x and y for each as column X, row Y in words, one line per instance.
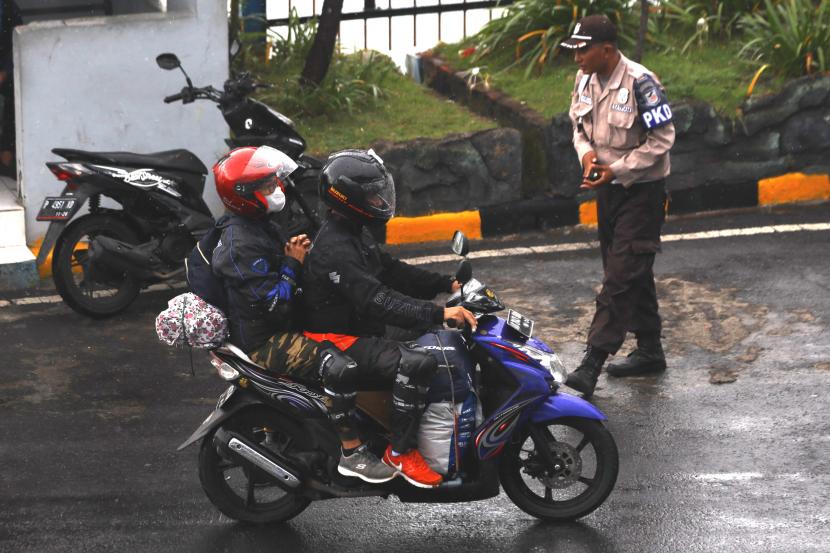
column 268, row 449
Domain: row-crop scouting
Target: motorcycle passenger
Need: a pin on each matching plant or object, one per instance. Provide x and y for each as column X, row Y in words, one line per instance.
column 260, row 270
column 353, row 289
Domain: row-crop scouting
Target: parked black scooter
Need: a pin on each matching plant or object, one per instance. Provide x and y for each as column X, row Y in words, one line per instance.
column 102, row 259
column 253, row 123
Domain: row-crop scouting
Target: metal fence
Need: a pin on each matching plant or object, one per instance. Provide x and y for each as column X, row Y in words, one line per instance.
column 373, row 11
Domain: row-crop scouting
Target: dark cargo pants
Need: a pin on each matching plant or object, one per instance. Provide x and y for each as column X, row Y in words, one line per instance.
column 310, row 362
column 630, row 221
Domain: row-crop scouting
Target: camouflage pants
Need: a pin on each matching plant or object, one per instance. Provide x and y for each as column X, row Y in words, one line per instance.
column 290, row 353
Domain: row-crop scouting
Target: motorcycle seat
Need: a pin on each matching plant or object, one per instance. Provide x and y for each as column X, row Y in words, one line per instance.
column 228, row 347
column 174, row 160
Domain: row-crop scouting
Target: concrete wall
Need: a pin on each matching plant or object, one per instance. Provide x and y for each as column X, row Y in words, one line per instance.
column 93, row 84
column 60, row 9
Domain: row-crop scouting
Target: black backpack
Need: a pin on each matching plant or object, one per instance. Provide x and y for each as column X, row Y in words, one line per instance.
column 199, row 271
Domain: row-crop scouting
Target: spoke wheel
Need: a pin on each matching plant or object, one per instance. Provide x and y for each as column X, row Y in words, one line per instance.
column 244, row 493
column 96, row 295
column 561, row 470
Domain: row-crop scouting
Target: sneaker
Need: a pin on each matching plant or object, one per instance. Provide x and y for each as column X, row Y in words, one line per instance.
column 411, row 465
column 365, row 465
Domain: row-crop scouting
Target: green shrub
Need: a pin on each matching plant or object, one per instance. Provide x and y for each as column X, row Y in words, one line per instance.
column 792, row 37
column 288, row 52
column 352, row 81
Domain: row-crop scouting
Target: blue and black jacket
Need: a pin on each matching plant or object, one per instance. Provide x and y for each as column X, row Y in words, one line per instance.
column 260, row 281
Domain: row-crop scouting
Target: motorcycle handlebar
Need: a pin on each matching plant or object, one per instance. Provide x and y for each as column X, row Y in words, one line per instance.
column 173, row 98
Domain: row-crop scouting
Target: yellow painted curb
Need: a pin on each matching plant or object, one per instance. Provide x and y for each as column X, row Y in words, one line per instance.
column 44, row 270
column 588, row 213
column 441, row 226
column 793, row 187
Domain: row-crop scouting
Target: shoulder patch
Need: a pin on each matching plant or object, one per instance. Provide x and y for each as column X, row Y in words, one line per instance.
column 260, row 266
column 652, row 104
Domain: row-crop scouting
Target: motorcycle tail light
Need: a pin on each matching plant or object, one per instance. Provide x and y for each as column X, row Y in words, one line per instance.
column 67, row 171
column 225, row 371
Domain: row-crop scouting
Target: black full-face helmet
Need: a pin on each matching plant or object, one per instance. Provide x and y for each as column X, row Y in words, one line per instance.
column 356, row 184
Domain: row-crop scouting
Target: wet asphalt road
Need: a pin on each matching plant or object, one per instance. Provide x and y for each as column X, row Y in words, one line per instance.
column 91, row 413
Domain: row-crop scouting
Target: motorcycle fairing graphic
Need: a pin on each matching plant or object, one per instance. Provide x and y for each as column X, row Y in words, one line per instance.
column 141, row 178
column 305, row 400
column 495, row 433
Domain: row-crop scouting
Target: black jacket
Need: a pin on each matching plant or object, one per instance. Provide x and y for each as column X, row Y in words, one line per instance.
column 350, row 286
column 259, row 280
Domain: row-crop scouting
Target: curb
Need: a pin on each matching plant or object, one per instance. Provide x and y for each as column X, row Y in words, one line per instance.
column 546, row 213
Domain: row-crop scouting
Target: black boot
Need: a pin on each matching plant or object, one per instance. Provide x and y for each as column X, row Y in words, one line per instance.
column 584, row 378
column 646, row 359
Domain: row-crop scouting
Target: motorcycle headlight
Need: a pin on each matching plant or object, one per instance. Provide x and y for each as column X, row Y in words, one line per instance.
column 549, row 361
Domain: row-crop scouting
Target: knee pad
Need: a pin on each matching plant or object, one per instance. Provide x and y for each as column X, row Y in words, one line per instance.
column 338, row 371
column 416, row 363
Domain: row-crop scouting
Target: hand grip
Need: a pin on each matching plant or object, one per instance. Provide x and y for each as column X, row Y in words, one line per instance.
column 173, row 98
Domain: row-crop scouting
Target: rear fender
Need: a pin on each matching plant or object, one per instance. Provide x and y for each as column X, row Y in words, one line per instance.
column 56, row 227
column 561, row 405
column 238, row 401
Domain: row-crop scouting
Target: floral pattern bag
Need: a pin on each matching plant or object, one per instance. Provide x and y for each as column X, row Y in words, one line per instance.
column 191, row 321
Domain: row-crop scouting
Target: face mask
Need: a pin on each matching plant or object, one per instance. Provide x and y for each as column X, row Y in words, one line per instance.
column 276, row 201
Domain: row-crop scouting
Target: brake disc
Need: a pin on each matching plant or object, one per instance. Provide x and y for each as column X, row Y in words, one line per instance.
column 566, row 469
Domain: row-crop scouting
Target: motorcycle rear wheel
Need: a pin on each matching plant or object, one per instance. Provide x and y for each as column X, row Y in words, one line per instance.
column 69, row 269
column 250, row 495
column 577, row 481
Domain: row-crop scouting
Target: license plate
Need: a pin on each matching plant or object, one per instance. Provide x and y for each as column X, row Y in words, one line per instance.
column 519, row 323
column 58, row 208
column 226, row 395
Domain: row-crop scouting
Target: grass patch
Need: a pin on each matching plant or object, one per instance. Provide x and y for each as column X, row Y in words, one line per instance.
column 712, row 74
column 407, row 112
column 363, row 99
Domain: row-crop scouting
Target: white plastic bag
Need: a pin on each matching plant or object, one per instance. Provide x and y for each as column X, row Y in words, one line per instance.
column 437, row 442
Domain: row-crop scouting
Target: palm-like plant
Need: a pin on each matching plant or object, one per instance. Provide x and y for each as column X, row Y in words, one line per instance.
column 533, row 29
column 792, row 36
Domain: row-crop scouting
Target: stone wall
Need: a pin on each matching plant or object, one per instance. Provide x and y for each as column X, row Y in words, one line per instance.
column 787, row 131
column 456, row 173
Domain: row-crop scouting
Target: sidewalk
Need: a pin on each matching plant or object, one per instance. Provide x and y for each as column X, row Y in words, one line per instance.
column 17, row 263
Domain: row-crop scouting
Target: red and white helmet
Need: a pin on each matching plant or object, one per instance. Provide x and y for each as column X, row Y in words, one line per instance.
column 244, row 171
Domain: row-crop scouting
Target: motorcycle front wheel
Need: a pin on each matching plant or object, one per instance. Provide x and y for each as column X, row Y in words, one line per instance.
column 95, row 297
column 561, row 470
column 244, row 493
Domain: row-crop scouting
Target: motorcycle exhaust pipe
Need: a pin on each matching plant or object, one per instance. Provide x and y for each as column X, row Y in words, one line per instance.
column 237, row 446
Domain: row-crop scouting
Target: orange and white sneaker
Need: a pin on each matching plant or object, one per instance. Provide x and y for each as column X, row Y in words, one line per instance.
column 411, row 465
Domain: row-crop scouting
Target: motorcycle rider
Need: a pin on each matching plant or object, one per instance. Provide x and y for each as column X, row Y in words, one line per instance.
column 260, row 272
column 353, row 289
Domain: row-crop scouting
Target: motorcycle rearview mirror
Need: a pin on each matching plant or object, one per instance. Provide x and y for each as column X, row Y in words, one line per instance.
column 464, row 272
column 460, row 244
column 168, row 61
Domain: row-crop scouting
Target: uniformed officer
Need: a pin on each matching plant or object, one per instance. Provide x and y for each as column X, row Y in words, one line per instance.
column 623, row 131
